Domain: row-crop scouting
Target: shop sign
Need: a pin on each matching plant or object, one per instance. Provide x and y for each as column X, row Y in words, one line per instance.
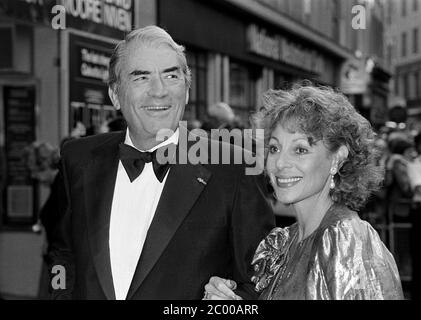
column 354, row 77
column 88, row 76
column 93, row 63
column 88, row 68
column 36, row 11
column 281, row 49
column 116, row 15
column 112, row 18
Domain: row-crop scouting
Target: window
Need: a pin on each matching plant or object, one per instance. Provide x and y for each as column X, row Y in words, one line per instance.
column 403, row 2
column 403, row 44
column 405, row 80
column 389, row 53
column 196, row 108
column 417, row 93
column 335, row 20
column 417, row 84
column 242, row 90
column 6, row 48
column 415, row 5
column 282, row 81
column 415, row 40
column 397, row 82
column 389, row 13
column 412, row 86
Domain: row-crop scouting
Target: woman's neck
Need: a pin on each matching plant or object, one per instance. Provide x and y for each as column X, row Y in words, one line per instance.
column 309, row 215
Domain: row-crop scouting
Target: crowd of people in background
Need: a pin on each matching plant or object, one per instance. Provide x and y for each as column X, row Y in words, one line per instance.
column 399, row 201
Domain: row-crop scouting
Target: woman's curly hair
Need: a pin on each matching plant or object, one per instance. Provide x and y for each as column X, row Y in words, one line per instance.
column 324, row 114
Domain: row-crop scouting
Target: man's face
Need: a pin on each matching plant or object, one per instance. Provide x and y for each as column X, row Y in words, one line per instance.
column 152, row 92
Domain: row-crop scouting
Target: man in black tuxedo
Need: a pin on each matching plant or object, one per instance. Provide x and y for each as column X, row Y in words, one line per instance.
column 134, row 228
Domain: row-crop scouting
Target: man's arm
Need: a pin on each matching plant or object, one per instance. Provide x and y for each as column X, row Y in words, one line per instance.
column 252, row 220
column 60, row 253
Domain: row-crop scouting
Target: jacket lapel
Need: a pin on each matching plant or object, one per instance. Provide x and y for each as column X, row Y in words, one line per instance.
column 183, row 186
column 99, row 181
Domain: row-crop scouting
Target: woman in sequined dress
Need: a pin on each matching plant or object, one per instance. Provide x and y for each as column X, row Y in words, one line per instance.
column 320, row 159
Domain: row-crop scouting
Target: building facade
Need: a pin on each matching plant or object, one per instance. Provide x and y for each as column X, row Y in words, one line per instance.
column 53, row 73
column 403, row 52
column 403, row 55
column 239, row 49
column 53, row 78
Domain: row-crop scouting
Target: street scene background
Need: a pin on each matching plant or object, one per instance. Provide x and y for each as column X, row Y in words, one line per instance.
column 54, row 59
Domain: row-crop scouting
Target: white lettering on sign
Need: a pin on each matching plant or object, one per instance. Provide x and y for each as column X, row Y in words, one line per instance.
column 94, row 57
column 94, row 64
column 112, row 13
column 259, row 42
column 280, row 49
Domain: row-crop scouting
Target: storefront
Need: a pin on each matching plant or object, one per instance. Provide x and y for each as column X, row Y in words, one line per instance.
column 53, row 74
column 245, row 55
column 86, row 46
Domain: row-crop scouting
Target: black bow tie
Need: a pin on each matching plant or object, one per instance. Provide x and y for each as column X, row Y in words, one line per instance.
column 134, row 161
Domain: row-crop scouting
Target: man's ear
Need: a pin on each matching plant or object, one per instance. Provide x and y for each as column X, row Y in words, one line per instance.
column 112, row 92
column 187, row 96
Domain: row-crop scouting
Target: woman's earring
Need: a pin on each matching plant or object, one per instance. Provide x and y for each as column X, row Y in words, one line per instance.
column 332, row 175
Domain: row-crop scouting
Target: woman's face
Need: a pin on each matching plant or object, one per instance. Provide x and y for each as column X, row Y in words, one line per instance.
column 298, row 171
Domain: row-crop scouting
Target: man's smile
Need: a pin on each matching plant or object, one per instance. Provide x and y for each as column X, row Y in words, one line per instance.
column 156, row 107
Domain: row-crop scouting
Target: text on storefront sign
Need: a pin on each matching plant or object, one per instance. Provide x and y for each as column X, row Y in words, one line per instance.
column 280, row 49
column 94, row 64
column 112, row 13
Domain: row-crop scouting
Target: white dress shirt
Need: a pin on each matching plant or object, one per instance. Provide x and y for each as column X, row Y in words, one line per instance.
column 133, row 208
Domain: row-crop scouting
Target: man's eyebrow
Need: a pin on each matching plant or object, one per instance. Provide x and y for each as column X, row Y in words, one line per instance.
column 142, row 72
column 139, row 72
column 171, row 69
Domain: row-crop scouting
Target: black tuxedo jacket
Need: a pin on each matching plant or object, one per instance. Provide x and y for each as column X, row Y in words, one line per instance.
column 209, row 221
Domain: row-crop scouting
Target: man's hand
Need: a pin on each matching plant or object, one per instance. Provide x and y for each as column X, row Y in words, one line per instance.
column 220, row 289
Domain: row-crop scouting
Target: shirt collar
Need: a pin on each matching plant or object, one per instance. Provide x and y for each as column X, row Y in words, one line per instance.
column 172, row 139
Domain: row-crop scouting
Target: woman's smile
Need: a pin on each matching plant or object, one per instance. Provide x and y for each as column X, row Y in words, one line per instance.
column 287, row 182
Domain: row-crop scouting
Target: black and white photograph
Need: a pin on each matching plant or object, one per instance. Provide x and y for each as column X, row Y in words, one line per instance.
column 196, row 152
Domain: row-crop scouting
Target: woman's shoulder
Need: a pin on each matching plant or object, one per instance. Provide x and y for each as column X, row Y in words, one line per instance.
column 347, row 250
column 270, row 255
column 342, row 220
column 344, row 236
